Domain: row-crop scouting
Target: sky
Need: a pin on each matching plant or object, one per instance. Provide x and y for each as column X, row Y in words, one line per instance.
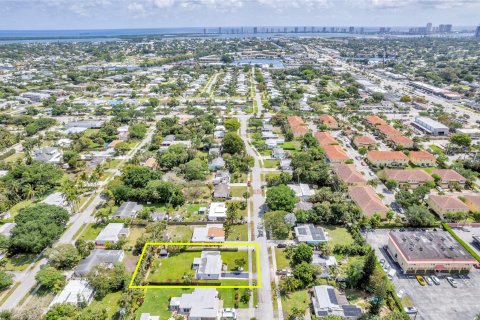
column 118, row 14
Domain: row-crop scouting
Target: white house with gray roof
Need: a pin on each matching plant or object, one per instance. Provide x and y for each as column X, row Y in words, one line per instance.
column 199, row 305
column 208, row 266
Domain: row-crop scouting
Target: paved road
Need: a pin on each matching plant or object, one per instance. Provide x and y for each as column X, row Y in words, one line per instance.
column 27, row 279
column 265, row 307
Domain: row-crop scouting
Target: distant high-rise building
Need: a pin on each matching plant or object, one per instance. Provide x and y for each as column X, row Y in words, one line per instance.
column 220, row 30
column 332, row 29
column 351, row 29
column 324, row 29
column 254, row 29
column 296, row 29
column 429, row 27
column 445, row 28
column 362, row 30
column 477, row 33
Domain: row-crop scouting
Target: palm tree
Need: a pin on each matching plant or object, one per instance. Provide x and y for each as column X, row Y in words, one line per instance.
column 30, row 191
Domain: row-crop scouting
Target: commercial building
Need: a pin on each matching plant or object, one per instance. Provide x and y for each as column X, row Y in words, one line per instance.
column 431, row 126
column 326, row 301
column 428, row 251
column 477, row 32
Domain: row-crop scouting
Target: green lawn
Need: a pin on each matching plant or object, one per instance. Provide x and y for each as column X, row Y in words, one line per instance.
column 19, row 262
column 109, row 302
column 338, row 235
column 193, row 207
column 135, row 233
column 228, row 297
column 237, row 191
column 281, row 259
column 20, row 205
column 230, row 257
column 266, row 152
column 180, row 233
column 14, row 157
column 436, row 149
column 271, row 163
column 291, row 145
column 110, row 164
column 157, row 300
column 238, row 232
column 298, row 299
column 91, row 231
column 174, row 267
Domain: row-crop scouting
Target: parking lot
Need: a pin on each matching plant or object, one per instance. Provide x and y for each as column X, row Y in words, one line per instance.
column 466, row 234
column 436, row 301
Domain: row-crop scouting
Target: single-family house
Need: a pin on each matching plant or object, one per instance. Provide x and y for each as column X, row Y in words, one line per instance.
column 217, row 211
column 472, row 201
column 47, row 154
column 278, row 153
column 302, row 190
column 327, row 301
column 209, row 233
column 221, row 190
column 328, row 121
column 208, row 266
column 199, row 305
column 98, row 257
column 324, row 138
column 221, row 176
column 400, row 142
column 216, row 163
column 76, row 292
column 128, row 209
column 112, row 233
column 310, row 234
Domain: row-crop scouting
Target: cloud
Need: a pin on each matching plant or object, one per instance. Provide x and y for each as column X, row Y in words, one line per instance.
column 425, row 4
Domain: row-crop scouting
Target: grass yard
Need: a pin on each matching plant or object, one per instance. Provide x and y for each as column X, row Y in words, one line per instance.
column 19, row 262
column 291, row 145
column 193, row 207
column 109, row 302
column 266, row 152
column 230, row 257
column 436, row 149
column 156, row 301
column 180, row 233
column 298, row 299
column 14, row 157
column 228, row 297
column 135, row 233
column 241, row 212
column 174, row 267
column 237, row 191
column 281, row 259
column 338, row 235
column 238, row 232
column 91, row 231
column 110, row 164
column 271, row 163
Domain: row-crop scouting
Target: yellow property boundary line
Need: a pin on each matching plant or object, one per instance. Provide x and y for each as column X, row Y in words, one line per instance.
column 199, row 244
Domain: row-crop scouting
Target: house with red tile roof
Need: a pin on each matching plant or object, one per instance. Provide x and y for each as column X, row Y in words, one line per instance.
column 298, row 127
column 374, row 121
column 367, row 200
column 422, row 158
column 324, row 138
column 364, row 141
column 412, row 178
column 328, row 121
column 335, row 154
column 442, row 205
column 349, row 175
column 400, row 142
column 472, row 201
column 387, row 158
column 448, row 176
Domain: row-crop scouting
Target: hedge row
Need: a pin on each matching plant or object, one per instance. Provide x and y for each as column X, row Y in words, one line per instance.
column 465, row 245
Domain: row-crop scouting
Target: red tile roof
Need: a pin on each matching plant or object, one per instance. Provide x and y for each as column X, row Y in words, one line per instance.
column 448, row 202
column 447, row 175
column 364, row 140
column 421, row 155
column 348, row 173
column 406, row 176
column 335, row 153
column 325, row 138
column 387, row 155
column 375, row 120
column 367, row 200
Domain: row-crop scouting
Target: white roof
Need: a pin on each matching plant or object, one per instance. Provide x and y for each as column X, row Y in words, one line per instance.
column 111, row 232
column 55, row 199
column 75, row 291
column 210, row 263
column 200, row 234
column 203, row 303
column 217, row 209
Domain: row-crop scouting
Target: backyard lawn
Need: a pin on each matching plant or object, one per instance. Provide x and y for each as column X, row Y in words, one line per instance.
column 19, row 262
column 298, row 299
column 281, row 259
column 229, row 259
column 338, row 235
column 174, row 267
column 228, row 297
column 180, row 233
column 135, row 233
column 157, row 300
column 291, row 145
column 109, row 302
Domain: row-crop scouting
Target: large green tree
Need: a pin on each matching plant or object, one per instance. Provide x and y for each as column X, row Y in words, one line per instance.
column 281, row 197
column 275, row 223
column 232, row 143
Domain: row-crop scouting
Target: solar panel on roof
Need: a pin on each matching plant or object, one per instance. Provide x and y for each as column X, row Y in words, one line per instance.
column 351, row 311
column 317, row 234
column 332, row 296
column 302, row 231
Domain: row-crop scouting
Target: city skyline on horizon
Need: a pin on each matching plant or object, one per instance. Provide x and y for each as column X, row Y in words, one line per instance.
column 149, row 14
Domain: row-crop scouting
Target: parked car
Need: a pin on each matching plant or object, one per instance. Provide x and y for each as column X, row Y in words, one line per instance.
column 400, row 293
column 476, row 266
column 410, row 310
column 281, row 245
column 428, row 280
column 382, row 262
column 421, row 280
column 435, row 280
column 386, row 267
column 452, row 282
